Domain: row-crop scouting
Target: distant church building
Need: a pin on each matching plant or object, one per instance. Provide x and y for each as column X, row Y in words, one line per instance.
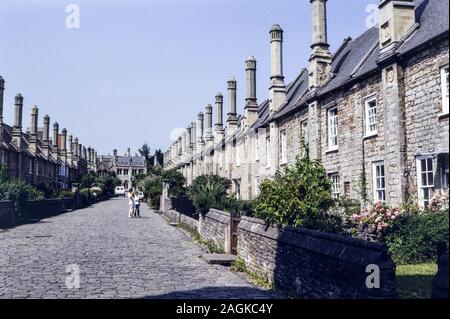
column 126, row 167
column 375, row 110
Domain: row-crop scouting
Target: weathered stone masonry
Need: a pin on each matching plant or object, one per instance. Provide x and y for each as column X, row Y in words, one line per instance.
column 391, row 102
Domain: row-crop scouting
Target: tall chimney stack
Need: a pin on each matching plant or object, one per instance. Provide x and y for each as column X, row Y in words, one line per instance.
column 194, row 135
column 75, row 148
column 232, row 114
column 218, row 134
column 55, row 134
column 33, row 129
column 180, row 150
column 396, row 18
column 251, row 103
column 17, row 128
column 46, row 135
column 69, row 148
column 277, row 89
column 64, row 140
column 208, row 132
column 55, row 140
column 188, row 139
column 200, row 129
column 320, row 60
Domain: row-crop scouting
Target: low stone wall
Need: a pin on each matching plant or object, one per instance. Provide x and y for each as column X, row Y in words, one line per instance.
column 7, row 217
column 190, row 222
column 39, row 209
column 172, row 216
column 440, row 281
column 312, row 264
column 215, row 226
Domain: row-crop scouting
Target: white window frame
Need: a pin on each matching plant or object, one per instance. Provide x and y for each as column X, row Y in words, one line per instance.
column 283, row 143
column 333, row 128
column 379, row 182
column 30, row 167
column 257, row 146
column 429, row 187
column 268, row 152
column 238, row 154
column 371, row 128
column 335, row 185
column 445, row 89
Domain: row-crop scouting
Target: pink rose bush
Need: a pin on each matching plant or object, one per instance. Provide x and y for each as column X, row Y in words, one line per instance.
column 372, row 222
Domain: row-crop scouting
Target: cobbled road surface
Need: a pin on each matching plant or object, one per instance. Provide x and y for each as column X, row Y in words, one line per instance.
column 117, row 257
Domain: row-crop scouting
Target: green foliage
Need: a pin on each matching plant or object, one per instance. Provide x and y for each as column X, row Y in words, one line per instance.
column 107, row 183
column 209, row 191
column 349, row 205
column 415, row 281
column 152, row 185
column 66, row 194
column 88, row 180
column 414, row 238
column 19, row 192
column 176, row 182
column 238, row 265
column 299, row 195
column 234, row 205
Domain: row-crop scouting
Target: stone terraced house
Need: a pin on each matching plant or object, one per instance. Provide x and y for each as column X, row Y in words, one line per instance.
column 33, row 156
column 375, row 113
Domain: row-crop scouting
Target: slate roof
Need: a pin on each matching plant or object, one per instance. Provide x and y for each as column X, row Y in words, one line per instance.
column 432, row 16
column 136, row 161
column 358, row 57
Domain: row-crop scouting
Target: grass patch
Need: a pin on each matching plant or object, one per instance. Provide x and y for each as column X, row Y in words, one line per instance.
column 258, row 279
column 210, row 245
column 414, row 281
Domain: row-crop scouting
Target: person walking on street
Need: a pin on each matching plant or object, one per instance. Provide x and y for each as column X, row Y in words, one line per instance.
column 137, row 205
column 130, row 204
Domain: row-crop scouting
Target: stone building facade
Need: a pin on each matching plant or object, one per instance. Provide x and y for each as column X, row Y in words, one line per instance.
column 125, row 167
column 37, row 157
column 375, row 113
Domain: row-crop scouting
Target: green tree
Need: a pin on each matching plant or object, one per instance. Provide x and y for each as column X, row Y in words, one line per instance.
column 144, row 151
column 209, row 191
column 299, row 195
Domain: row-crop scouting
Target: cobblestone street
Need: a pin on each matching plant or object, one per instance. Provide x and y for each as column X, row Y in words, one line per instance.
column 118, row 257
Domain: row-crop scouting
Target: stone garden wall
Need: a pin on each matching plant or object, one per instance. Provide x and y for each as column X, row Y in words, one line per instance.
column 215, row 226
column 312, row 264
column 440, row 281
column 7, row 218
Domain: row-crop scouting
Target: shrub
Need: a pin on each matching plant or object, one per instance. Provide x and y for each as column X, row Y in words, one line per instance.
column 19, row 192
column 414, row 238
column 152, row 184
column 209, row 191
column 176, row 182
column 66, row 194
column 107, row 183
column 299, row 195
column 234, row 205
column 374, row 222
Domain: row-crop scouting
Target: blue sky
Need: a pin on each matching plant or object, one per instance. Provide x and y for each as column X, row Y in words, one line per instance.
column 136, row 70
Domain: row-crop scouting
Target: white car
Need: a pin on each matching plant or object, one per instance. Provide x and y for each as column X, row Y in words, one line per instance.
column 141, row 195
column 119, row 191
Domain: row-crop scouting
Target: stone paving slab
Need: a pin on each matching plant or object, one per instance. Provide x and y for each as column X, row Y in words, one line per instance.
column 117, row 257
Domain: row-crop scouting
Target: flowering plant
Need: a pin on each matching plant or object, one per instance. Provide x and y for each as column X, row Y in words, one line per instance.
column 439, row 201
column 376, row 220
